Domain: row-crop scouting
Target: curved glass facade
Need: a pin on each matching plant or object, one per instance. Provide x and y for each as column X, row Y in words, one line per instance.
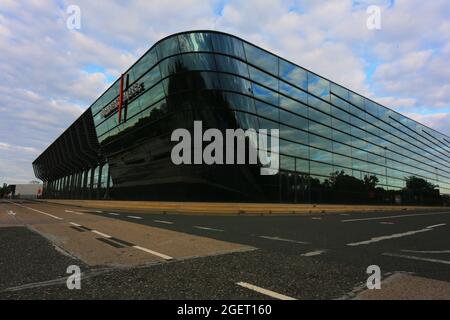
column 335, row 145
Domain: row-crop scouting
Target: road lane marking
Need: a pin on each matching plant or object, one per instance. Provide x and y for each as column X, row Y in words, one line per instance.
column 75, row 224
column 313, row 253
column 398, row 216
column 266, row 292
column 11, row 213
column 134, row 217
column 161, row 255
column 42, row 212
column 427, row 251
column 416, row 258
column 392, row 236
column 385, row 222
column 162, row 221
column 113, row 214
column 437, row 225
column 117, row 240
column 101, row 234
column 282, row 239
column 70, row 211
column 316, row 218
column 206, row 228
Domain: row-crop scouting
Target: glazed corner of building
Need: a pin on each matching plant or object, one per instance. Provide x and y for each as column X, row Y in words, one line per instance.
column 226, row 81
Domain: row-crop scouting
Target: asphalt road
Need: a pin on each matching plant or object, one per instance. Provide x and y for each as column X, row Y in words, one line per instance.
column 320, row 256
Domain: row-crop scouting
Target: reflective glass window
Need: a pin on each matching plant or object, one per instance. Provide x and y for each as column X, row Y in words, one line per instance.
column 294, row 149
column 293, row 74
column 167, row 47
column 320, row 168
column 293, row 106
column 261, row 58
column 339, row 91
column 265, row 94
column 319, row 117
column 266, row 110
column 293, row 92
column 198, row 61
column 319, row 104
column 195, row 42
column 240, row 102
column 287, row 163
column 235, row 83
column 320, row 142
column 263, row 78
column 318, row 86
column 320, row 129
column 228, row 45
column 231, row 65
column 293, row 134
column 293, row 120
column 302, row 165
column 247, row 121
column 143, row 65
column 342, row 161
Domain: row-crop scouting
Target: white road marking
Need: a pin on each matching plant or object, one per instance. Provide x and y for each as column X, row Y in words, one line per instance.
column 70, row 211
column 264, row 291
column 416, row 258
column 426, row 252
column 385, row 222
column 161, row 255
column 11, row 213
column 42, row 212
column 134, row 217
column 210, row 229
column 437, row 225
column 162, row 221
column 101, row 234
column 317, row 218
column 282, row 239
column 113, row 214
column 313, row 253
column 398, row 216
column 98, row 211
column 392, row 236
column 75, row 224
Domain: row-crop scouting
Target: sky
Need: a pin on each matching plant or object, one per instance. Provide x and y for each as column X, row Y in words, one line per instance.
column 50, row 73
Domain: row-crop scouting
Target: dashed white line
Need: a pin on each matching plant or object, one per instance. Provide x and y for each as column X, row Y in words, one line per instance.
column 70, row 211
column 385, row 222
column 161, row 255
column 101, row 234
column 437, row 225
column 416, row 258
column 282, row 239
column 162, row 221
column 393, row 236
column 135, row 217
column 75, row 224
column 113, row 214
column 316, row 218
column 266, row 292
column 397, row 216
column 313, row 253
column 427, row 251
column 206, row 228
column 42, row 212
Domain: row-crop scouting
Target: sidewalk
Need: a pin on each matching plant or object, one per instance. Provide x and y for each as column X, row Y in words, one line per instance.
column 231, row 208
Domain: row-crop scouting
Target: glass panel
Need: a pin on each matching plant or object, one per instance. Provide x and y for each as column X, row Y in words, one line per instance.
column 339, row 91
column 302, row 165
column 247, row 121
column 231, row 65
column 293, row 92
column 287, row 163
column 228, row 45
column 293, row 134
column 195, row 42
column 318, row 86
column 293, row 106
column 263, row 78
column 261, row 59
column 198, row 61
column 240, row 102
column 293, row 120
column 266, row 110
column 294, row 149
column 167, row 48
column 320, row 168
column 235, row 83
column 265, row 94
column 319, row 142
column 143, row 65
column 293, row 74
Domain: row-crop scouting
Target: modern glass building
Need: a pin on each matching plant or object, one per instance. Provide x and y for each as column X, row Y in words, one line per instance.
column 335, row 145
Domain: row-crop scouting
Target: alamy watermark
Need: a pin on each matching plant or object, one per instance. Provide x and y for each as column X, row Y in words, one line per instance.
column 374, row 280
column 74, row 280
column 373, row 21
column 73, row 21
column 259, row 148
